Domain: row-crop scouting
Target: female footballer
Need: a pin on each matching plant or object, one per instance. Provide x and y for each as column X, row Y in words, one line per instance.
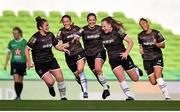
column 151, row 42
column 94, row 50
column 76, row 59
column 45, row 63
column 119, row 59
column 18, row 60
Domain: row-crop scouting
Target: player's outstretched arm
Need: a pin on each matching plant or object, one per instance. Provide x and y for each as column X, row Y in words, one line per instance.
column 63, row 47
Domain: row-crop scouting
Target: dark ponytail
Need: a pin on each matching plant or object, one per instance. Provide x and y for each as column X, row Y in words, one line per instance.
column 40, row 21
column 117, row 25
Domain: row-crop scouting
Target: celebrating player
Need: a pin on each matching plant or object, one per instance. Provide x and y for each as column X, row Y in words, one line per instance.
column 76, row 59
column 95, row 52
column 151, row 41
column 119, row 59
column 45, row 63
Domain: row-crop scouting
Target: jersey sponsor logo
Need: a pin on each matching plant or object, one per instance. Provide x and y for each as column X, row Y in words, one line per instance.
column 93, row 36
column 148, row 43
column 13, row 45
column 71, row 36
column 47, row 46
column 108, row 41
column 17, row 52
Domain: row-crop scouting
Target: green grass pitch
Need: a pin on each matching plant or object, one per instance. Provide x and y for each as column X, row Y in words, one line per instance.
column 88, row 105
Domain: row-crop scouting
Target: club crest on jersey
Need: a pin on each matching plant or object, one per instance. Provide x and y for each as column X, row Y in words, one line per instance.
column 79, row 57
column 40, row 71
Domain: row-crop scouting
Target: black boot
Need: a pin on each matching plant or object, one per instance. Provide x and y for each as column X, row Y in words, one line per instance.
column 52, row 91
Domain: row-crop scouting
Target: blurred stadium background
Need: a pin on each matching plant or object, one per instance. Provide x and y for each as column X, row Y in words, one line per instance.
column 163, row 15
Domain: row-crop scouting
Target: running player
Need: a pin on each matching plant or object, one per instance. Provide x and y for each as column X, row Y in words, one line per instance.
column 95, row 52
column 18, row 60
column 119, row 59
column 45, row 63
column 76, row 59
column 151, row 41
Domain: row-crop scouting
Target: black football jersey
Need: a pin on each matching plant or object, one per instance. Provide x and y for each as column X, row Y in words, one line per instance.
column 41, row 47
column 113, row 43
column 151, row 52
column 67, row 35
column 91, row 39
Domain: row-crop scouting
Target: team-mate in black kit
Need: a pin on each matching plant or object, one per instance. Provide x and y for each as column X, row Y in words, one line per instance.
column 151, row 41
column 76, row 59
column 45, row 63
column 119, row 59
column 94, row 50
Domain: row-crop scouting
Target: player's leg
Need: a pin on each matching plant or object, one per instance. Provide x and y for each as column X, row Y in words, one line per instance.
column 43, row 71
column 152, row 79
column 99, row 60
column 133, row 71
column 119, row 73
column 18, row 70
column 57, row 73
column 80, row 69
column 133, row 74
column 48, row 79
column 160, row 81
column 148, row 66
column 98, row 68
column 71, row 62
column 91, row 64
column 18, row 85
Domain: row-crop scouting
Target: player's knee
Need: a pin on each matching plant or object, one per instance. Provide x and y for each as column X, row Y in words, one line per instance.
column 153, row 82
column 80, row 70
column 136, row 79
column 18, row 81
column 50, row 82
column 98, row 70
